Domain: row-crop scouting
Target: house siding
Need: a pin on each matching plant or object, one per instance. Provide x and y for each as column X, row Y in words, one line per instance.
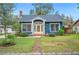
column 61, row 25
column 47, row 26
column 76, row 27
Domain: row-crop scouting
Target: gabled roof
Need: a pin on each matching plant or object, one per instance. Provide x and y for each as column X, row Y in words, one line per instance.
column 47, row 18
column 76, row 22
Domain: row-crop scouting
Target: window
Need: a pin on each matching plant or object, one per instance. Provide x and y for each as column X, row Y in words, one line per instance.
column 24, row 27
column 27, row 27
column 54, row 27
column 57, row 27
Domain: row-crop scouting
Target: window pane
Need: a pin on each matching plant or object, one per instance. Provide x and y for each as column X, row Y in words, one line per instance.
column 28, row 27
column 34, row 27
column 24, row 27
column 52, row 27
column 41, row 27
column 57, row 27
column 38, row 28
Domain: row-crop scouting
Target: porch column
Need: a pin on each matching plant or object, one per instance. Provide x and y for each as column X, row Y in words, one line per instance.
column 43, row 27
column 21, row 27
column 32, row 27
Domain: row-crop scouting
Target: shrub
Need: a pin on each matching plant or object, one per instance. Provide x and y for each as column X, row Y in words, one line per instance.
column 10, row 40
column 11, row 36
column 52, row 34
column 6, row 42
column 23, row 34
column 61, row 32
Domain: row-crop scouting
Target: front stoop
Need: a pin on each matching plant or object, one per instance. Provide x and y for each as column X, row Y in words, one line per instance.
column 36, row 34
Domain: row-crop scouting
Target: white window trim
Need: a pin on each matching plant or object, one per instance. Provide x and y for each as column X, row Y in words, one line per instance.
column 54, row 27
column 26, row 24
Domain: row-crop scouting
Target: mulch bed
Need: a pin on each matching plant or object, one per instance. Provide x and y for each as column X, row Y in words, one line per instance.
column 7, row 45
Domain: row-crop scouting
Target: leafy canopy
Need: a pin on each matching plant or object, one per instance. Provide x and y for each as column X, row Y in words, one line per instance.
column 41, row 9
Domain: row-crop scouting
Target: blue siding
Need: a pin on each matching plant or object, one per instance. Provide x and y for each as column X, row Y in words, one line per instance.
column 47, row 26
column 61, row 25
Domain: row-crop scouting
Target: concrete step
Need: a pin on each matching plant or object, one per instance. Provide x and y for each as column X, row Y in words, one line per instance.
column 37, row 34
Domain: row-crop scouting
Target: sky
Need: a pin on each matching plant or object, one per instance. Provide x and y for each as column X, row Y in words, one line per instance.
column 63, row 8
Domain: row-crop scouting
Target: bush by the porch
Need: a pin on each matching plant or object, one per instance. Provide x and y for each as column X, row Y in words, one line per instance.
column 61, row 32
column 23, row 34
column 52, row 34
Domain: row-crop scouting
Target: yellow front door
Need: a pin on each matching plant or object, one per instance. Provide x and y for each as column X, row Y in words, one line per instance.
column 38, row 29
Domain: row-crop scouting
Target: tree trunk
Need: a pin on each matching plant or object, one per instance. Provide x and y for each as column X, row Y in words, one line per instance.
column 5, row 31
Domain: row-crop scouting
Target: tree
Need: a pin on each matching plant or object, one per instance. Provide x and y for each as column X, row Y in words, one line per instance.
column 6, row 14
column 63, row 16
column 78, row 6
column 16, row 24
column 41, row 9
column 31, row 12
column 57, row 13
column 68, row 20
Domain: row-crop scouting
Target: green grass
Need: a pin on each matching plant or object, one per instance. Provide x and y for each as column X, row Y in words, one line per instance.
column 23, row 45
column 71, row 43
column 61, row 38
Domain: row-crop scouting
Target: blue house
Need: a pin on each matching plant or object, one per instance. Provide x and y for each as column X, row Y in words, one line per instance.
column 40, row 24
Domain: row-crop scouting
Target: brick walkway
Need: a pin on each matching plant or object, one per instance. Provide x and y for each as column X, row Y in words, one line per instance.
column 36, row 48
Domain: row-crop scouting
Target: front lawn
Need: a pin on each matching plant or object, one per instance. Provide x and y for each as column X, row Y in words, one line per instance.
column 23, row 45
column 67, row 43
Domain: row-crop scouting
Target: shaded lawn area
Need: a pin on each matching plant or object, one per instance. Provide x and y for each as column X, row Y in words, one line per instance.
column 23, row 45
column 68, row 43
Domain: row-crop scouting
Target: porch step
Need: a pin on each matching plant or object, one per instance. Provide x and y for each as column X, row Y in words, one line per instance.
column 37, row 34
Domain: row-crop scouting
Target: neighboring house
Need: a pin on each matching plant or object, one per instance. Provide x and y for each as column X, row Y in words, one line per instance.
column 68, row 23
column 42, row 24
column 8, row 29
column 67, row 29
column 76, row 26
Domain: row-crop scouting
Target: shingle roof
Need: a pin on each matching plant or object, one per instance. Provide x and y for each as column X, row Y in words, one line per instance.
column 76, row 22
column 47, row 18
